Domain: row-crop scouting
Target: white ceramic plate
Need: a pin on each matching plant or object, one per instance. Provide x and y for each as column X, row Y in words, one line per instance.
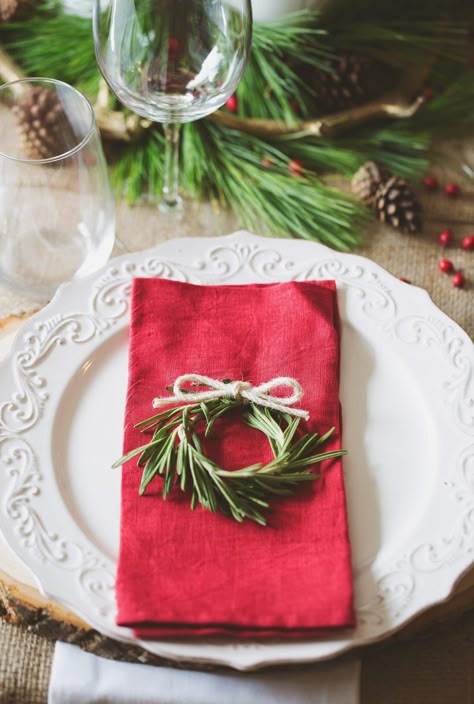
column 407, row 391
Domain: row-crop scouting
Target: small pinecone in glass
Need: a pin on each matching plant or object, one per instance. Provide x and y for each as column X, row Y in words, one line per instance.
column 368, row 179
column 44, row 129
column 396, row 205
column 10, row 9
column 351, row 80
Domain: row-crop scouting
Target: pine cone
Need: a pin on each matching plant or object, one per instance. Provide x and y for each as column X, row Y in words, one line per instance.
column 368, row 179
column 14, row 8
column 44, row 129
column 349, row 81
column 396, row 205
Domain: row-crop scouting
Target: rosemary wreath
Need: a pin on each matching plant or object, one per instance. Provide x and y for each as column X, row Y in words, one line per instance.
column 175, row 451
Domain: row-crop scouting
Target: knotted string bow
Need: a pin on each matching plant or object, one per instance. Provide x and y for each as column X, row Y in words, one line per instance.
column 262, row 395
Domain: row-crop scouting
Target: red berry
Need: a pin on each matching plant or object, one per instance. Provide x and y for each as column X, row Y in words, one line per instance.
column 468, row 242
column 431, row 183
column 452, row 190
column 294, row 105
column 173, row 48
column 295, row 167
column 445, row 238
column 266, row 162
column 459, row 280
column 232, row 103
column 405, row 281
column 428, row 94
column 445, row 265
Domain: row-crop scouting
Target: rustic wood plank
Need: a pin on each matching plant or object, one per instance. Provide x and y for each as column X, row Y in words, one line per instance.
column 23, row 605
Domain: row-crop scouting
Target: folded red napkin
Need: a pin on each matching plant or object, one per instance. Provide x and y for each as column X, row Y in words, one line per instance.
column 184, row 572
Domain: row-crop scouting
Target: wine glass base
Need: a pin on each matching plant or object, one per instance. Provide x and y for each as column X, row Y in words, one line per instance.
column 171, row 206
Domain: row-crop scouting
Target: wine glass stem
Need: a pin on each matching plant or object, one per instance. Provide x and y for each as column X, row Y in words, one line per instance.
column 171, row 199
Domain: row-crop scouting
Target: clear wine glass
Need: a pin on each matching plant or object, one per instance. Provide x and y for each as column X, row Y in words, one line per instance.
column 57, row 212
column 172, row 61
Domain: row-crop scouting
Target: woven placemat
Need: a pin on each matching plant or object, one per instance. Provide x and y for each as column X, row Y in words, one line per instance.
column 412, row 257
column 25, row 666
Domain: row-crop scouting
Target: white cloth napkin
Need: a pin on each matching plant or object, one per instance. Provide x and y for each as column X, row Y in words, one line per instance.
column 82, row 678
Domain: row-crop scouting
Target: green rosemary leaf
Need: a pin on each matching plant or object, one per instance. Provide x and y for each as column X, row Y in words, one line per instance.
column 181, row 464
column 317, row 458
column 292, row 477
column 160, row 435
column 205, row 412
column 262, row 419
column 227, row 493
column 275, row 490
column 308, row 442
column 170, row 473
column 226, row 407
column 163, row 415
column 289, row 433
column 210, row 493
column 156, row 463
column 199, row 493
column 133, row 453
column 322, row 438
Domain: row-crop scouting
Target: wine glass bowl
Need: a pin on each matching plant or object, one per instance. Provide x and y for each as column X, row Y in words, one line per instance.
column 172, row 61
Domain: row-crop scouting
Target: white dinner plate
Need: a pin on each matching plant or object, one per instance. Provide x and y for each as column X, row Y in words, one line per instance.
column 407, row 392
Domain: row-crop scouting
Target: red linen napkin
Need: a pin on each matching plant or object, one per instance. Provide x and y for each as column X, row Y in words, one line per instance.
column 184, row 572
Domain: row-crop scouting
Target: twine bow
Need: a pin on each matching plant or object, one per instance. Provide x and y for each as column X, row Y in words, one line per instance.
column 262, row 395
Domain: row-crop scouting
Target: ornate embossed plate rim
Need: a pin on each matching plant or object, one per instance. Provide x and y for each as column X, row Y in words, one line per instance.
column 236, row 258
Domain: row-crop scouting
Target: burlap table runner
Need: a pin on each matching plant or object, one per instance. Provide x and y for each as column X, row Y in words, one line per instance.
column 25, row 659
column 413, row 257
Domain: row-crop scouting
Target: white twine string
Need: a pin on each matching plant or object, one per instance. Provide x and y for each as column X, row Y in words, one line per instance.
column 261, row 395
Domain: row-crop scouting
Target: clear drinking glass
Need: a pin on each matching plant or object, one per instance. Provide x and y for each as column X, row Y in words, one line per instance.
column 56, row 207
column 172, row 61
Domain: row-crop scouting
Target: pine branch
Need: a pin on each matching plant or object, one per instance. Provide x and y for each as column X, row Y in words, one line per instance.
column 273, row 80
column 397, row 146
column 231, row 166
column 52, row 43
column 227, row 165
column 137, row 168
column 273, row 86
column 405, row 43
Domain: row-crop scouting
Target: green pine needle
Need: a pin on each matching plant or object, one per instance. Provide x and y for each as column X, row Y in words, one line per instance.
column 55, row 45
column 229, row 166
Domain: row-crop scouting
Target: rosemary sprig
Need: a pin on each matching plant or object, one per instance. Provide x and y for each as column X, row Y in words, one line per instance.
column 175, row 454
